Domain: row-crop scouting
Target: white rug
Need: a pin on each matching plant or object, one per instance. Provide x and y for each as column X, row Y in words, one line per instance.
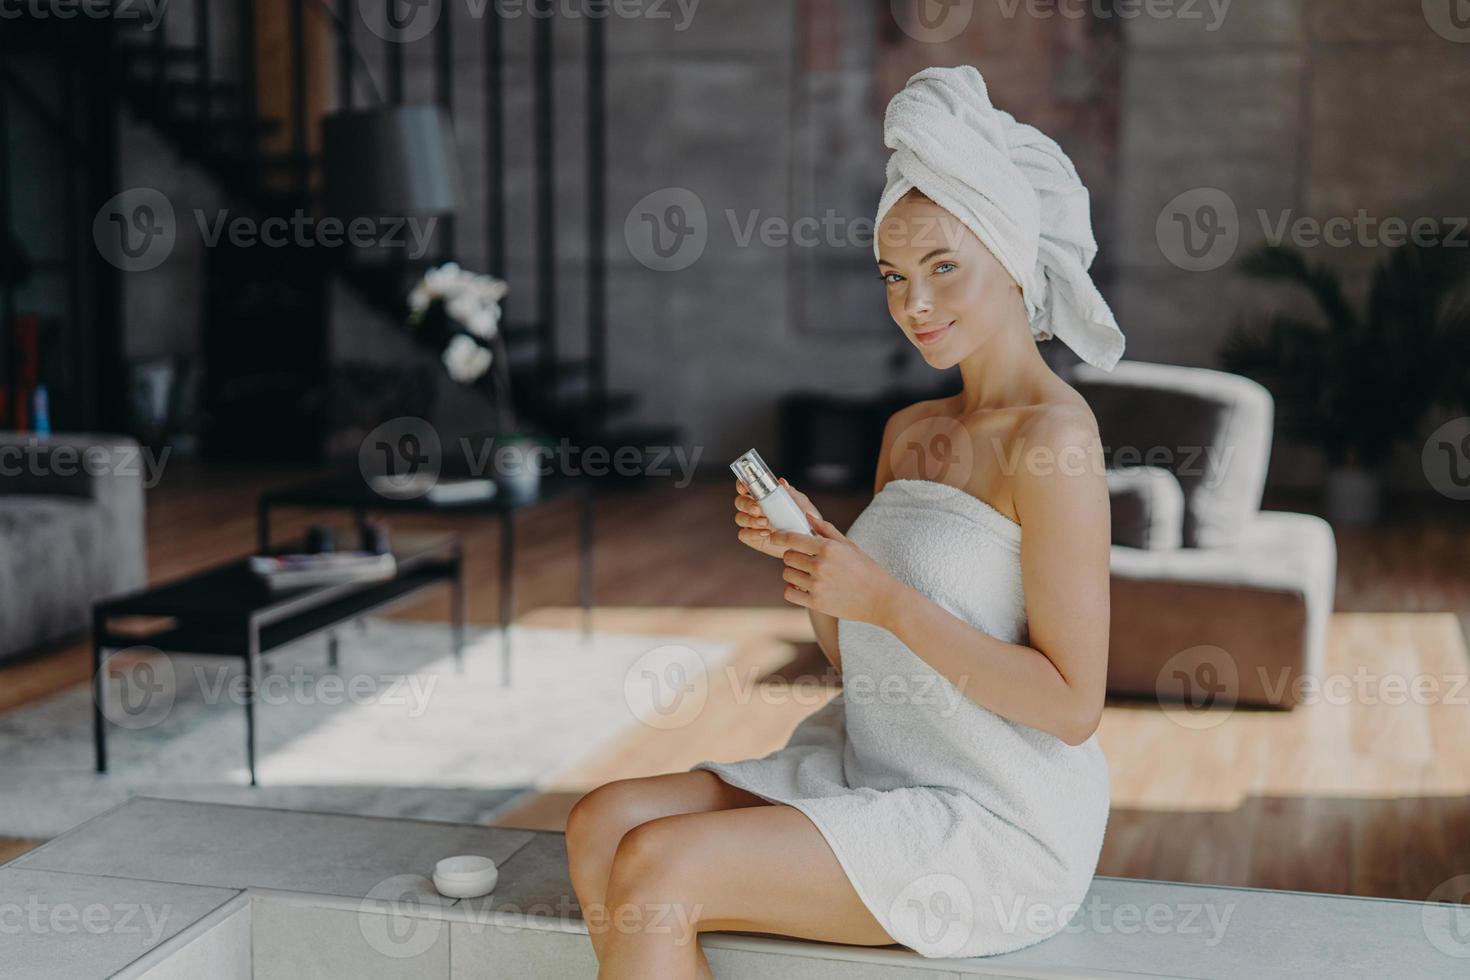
column 395, row 732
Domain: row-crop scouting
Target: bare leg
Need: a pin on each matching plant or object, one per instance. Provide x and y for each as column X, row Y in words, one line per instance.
column 600, row 819
column 766, row 869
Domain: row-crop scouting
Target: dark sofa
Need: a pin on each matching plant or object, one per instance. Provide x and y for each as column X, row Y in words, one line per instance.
column 71, row 532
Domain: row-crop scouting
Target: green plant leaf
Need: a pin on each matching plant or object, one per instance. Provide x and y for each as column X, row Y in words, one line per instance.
column 1357, row 386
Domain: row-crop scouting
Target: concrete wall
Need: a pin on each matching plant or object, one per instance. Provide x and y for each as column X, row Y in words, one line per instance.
column 163, row 308
column 707, row 108
column 761, row 112
column 1300, row 108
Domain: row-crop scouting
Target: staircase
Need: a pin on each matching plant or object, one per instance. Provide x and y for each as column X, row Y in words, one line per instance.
column 209, row 115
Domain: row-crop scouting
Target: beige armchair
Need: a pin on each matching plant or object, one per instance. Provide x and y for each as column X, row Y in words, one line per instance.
column 1211, row 596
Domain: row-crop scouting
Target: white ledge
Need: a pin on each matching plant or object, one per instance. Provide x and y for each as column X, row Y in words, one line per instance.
column 277, row 894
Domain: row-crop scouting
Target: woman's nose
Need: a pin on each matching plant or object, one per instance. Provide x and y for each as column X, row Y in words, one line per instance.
column 919, row 303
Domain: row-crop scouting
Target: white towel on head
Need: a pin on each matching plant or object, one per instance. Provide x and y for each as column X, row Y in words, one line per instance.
column 1015, row 188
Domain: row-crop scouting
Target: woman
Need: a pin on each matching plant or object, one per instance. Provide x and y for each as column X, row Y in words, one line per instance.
column 953, row 798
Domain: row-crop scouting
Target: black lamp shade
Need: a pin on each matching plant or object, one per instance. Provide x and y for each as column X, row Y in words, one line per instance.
column 389, row 161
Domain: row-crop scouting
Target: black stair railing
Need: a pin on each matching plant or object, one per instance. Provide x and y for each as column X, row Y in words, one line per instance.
column 56, row 121
column 213, row 115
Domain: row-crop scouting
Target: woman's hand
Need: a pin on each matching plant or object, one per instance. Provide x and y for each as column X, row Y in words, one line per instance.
column 832, row 575
column 754, row 530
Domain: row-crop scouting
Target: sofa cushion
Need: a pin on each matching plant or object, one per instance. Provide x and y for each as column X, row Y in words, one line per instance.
column 65, row 464
column 1212, row 430
column 1147, row 506
column 50, row 553
column 71, row 530
column 1266, row 601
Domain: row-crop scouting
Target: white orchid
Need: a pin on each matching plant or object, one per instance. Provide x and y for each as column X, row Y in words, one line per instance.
column 439, row 281
column 482, row 324
column 470, row 299
column 465, row 360
column 471, row 303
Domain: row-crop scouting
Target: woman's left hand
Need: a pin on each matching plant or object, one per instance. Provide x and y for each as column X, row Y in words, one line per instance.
column 832, row 575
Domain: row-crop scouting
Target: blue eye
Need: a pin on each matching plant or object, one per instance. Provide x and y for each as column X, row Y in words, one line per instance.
column 944, row 265
column 892, row 277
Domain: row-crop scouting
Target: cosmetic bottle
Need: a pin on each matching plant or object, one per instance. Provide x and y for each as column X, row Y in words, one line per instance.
column 776, row 504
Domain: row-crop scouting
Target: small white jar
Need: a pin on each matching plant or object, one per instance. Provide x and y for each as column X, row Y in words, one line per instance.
column 465, row 876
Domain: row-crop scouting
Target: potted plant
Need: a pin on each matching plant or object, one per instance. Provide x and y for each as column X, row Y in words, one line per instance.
column 1358, row 384
column 457, row 313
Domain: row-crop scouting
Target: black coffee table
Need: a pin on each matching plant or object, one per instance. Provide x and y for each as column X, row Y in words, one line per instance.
column 351, row 491
column 228, row 611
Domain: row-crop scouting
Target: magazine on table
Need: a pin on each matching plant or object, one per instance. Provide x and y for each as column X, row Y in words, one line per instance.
column 333, row 568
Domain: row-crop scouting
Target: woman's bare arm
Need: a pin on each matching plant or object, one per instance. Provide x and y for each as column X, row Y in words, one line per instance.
column 1057, row 683
column 826, row 629
column 751, row 521
column 823, row 625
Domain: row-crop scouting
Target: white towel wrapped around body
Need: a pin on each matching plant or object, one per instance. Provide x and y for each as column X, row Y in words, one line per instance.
column 964, row 833
column 1016, row 189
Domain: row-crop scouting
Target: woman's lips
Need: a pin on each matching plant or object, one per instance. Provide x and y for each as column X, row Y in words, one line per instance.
column 933, row 335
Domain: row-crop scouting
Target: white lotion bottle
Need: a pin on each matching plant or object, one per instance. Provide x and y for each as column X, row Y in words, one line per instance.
column 776, row 504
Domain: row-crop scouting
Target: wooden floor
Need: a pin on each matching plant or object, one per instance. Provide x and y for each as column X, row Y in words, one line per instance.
column 1355, row 795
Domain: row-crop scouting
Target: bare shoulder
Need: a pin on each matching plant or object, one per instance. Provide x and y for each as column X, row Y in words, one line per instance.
column 919, row 410
column 900, row 421
column 1060, row 439
column 1060, row 423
